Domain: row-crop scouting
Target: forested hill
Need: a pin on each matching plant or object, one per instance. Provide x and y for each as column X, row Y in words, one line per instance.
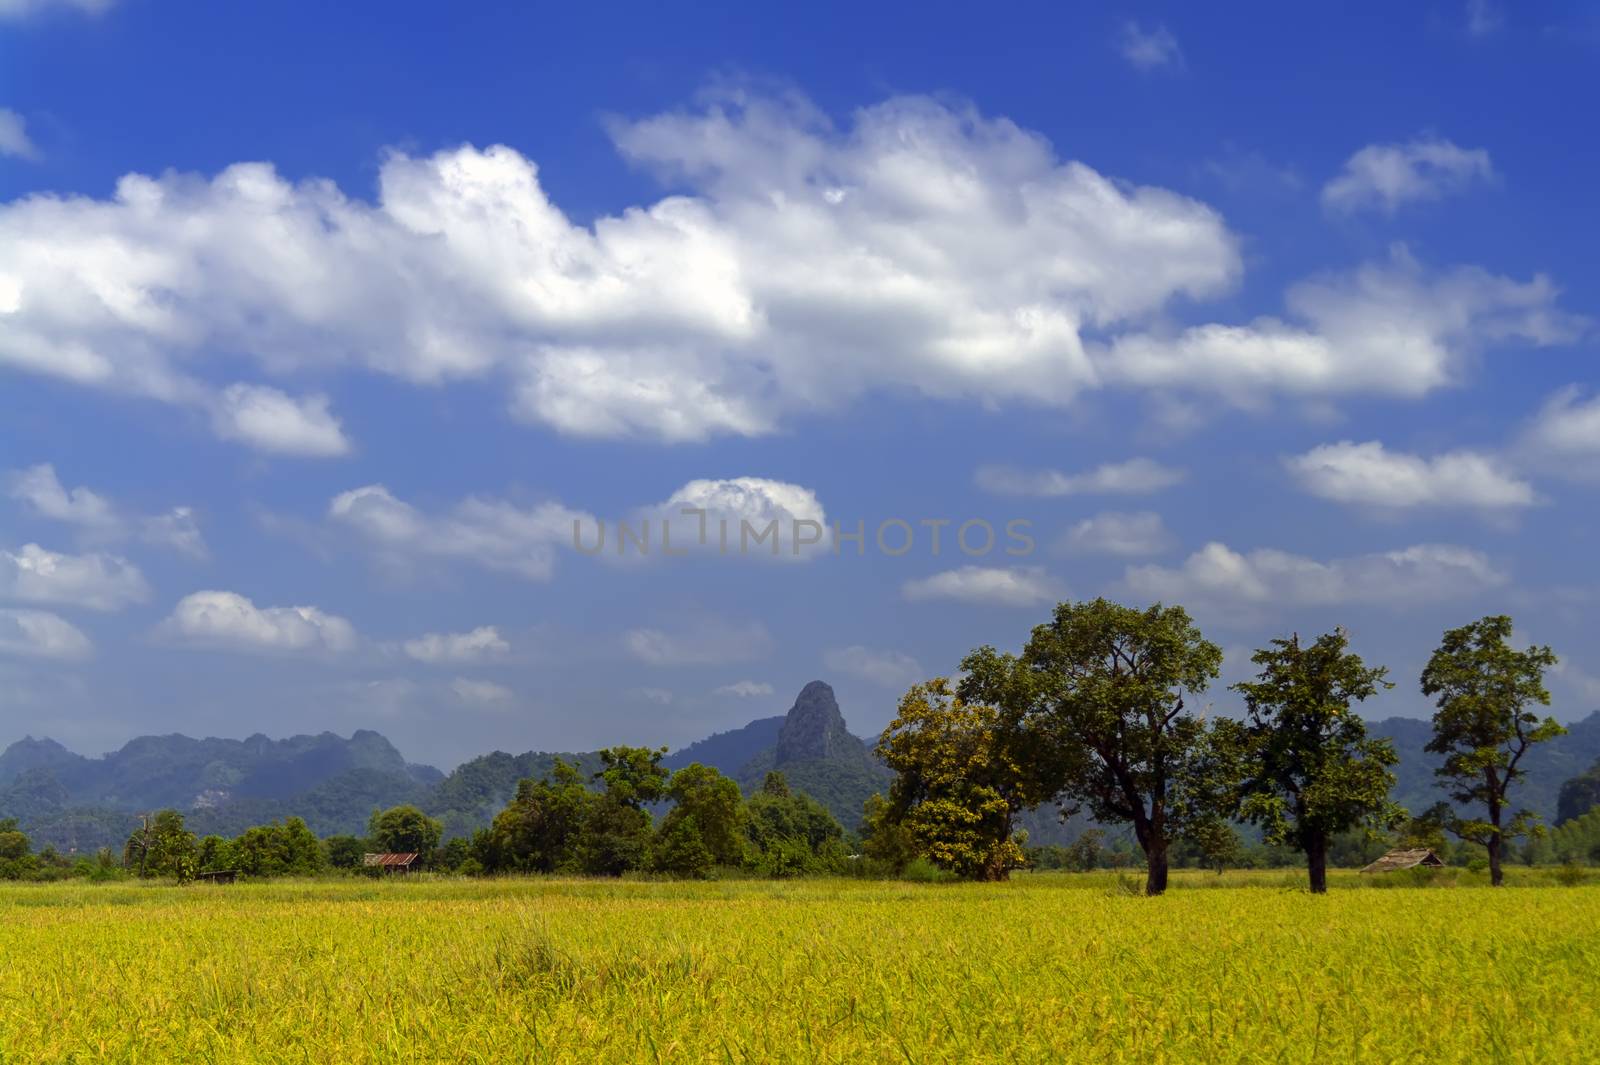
column 72, row 802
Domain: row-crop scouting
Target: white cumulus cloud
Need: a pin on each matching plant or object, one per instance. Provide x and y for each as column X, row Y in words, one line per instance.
column 229, row 620
column 1387, row 176
column 1219, row 575
column 39, row 490
column 270, row 420
column 95, row 581
column 1126, row 535
column 986, row 585
column 1390, row 328
column 921, row 246
column 737, row 515
column 1371, row 475
column 1565, row 436
column 39, row 634
column 481, row 644
column 490, row 533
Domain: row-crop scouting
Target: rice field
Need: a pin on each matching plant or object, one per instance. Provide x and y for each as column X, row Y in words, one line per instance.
column 1048, row 967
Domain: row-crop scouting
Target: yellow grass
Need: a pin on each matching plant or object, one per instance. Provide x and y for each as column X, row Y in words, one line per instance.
column 1046, row 968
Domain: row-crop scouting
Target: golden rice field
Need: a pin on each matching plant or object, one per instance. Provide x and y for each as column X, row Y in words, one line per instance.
column 1046, row 968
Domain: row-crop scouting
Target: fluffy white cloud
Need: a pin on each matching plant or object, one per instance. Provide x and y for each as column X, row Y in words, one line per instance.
column 483, row 692
column 745, row 689
column 494, row 534
column 802, row 529
column 1133, row 477
column 891, row 669
column 41, row 491
column 1217, row 574
column 1385, row 176
column 481, row 644
column 693, row 641
column 1370, row 474
column 273, row 421
column 14, row 140
column 229, row 620
column 924, row 247
column 38, row 634
column 986, row 585
column 1565, row 437
column 1150, row 49
column 95, row 581
column 1115, row 533
column 1389, row 328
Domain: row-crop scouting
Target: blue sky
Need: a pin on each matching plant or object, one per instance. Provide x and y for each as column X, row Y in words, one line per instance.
column 319, row 330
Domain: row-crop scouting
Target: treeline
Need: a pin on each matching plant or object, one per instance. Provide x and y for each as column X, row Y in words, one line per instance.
column 1099, row 712
column 600, row 824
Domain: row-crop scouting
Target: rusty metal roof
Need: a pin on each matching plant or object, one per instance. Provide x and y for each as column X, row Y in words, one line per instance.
column 388, row 859
column 1404, row 859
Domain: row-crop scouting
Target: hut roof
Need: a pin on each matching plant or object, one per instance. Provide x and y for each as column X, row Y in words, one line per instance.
column 1404, row 859
column 388, row 860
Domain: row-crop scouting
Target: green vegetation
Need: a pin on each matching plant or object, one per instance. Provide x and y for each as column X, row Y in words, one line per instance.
column 1483, row 727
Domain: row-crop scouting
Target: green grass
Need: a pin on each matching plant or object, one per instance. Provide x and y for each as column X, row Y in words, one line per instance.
column 1051, row 967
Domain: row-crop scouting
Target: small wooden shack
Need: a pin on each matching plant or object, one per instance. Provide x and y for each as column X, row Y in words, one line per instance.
column 218, row 876
column 1405, row 859
column 390, row 863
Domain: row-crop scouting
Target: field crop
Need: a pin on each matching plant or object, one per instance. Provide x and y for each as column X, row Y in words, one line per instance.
column 1045, row 968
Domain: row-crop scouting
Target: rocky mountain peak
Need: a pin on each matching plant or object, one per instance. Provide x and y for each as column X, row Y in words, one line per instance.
column 814, row 729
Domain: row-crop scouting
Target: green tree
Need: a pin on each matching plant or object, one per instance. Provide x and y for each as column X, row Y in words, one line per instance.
column 1483, row 727
column 162, row 846
column 1218, row 843
column 14, row 844
column 215, row 853
column 538, row 831
column 1579, row 795
column 634, row 775
column 1312, row 770
column 404, row 830
column 885, row 840
column 713, row 804
column 790, row 833
column 1083, row 853
column 344, row 852
column 962, row 775
column 1102, row 692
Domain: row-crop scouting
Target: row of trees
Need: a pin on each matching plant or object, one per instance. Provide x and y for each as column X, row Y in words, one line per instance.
column 560, row 824
column 564, row 822
column 1096, row 713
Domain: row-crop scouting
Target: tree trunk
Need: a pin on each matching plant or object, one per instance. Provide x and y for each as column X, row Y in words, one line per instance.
column 1155, row 881
column 1317, row 861
column 1496, row 876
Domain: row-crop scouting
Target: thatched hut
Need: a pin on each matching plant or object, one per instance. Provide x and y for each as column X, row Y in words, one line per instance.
column 1405, row 859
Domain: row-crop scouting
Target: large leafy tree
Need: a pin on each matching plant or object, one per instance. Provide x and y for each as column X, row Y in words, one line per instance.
column 1483, row 688
column 963, row 774
column 1311, row 771
column 1103, row 692
column 539, row 829
column 706, row 825
column 404, row 830
column 162, row 846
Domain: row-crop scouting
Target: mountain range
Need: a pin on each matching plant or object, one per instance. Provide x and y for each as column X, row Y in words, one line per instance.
column 223, row 786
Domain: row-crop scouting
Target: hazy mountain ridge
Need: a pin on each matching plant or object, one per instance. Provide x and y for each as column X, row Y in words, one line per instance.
column 73, row 802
